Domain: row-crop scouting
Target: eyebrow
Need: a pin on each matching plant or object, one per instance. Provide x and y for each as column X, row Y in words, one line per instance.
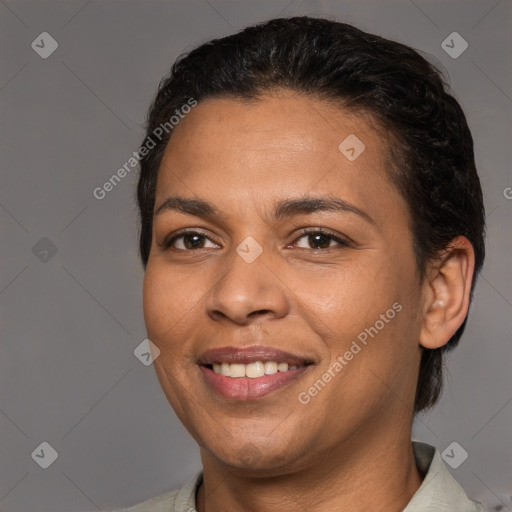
column 283, row 209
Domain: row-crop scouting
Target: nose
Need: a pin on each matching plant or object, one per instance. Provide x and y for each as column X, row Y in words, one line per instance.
column 248, row 290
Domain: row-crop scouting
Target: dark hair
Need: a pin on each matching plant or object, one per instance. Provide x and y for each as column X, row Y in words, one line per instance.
column 431, row 158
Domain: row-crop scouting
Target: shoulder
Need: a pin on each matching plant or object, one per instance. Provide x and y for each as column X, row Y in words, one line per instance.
column 181, row 500
column 439, row 492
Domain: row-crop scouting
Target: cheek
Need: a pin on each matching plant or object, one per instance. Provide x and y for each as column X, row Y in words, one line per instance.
column 173, row 302
column 372, row 302
column 166, row 311
column 153, row 300
column 353, row 295
column 163, row 305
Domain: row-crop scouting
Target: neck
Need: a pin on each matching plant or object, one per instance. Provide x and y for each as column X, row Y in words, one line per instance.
column 364, row 474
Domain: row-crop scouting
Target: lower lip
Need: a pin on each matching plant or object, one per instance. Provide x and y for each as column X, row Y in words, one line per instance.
column 245, row 388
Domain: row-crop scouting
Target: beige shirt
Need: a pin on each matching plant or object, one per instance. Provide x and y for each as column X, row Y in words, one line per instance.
column 439, row 491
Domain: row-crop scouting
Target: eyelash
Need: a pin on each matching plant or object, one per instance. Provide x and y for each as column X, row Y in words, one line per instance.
column 332, row 236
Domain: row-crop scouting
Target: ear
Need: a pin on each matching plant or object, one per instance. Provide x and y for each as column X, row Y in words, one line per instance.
column 446, row 293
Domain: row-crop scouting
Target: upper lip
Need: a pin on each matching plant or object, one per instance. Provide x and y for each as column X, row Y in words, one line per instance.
column 250, row 354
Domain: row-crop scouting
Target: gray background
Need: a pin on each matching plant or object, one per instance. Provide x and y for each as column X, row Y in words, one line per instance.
column 70, row 324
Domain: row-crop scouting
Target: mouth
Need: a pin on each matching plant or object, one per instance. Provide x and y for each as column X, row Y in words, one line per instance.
column 251, row 370
column 249, row 373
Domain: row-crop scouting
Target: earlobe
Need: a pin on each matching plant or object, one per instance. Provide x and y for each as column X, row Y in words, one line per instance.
column 446, row 293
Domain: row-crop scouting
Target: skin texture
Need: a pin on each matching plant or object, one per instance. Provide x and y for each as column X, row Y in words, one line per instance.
column 348, row 448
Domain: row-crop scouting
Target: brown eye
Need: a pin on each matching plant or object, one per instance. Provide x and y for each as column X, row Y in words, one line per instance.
column 189, row 240
column 321, row 240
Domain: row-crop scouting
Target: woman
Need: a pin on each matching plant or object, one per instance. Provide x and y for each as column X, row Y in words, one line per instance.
column 311, row 228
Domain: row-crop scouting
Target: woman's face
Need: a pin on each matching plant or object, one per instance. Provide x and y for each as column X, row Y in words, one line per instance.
column 301, row 252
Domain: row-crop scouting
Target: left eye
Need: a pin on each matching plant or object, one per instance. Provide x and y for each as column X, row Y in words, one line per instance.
column 321, row 240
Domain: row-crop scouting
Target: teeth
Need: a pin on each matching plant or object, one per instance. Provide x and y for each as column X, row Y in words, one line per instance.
column 251, row 370
column 254, row 370
column 237, row 370
column 225, row 369
column 270, row 367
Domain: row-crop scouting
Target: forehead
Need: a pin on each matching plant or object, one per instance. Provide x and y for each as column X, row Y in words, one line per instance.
column 277, row 120
column 281, row 143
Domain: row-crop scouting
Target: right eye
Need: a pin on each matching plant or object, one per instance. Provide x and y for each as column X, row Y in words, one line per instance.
column 188, row 241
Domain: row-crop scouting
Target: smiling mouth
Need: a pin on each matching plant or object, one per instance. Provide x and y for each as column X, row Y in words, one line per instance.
column 246, row 373
column 252, row 370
